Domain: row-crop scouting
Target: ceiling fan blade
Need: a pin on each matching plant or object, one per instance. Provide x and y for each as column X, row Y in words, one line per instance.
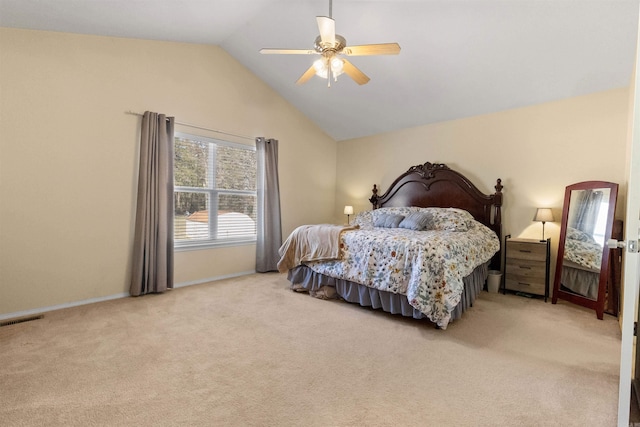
column 372, row 49
column 288, row 51
column 327, row 28
column 353, row 72
column 307, row 75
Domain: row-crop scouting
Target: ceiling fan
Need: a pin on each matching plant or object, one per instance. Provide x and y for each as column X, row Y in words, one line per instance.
column 330, row 45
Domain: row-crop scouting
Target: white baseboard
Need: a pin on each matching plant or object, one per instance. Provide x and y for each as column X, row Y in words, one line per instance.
column 212, row 279
column 41, row 310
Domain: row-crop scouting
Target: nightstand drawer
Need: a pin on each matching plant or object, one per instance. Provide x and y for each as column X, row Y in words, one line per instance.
column 525, row 285
column 523, row 250
column 523, row 268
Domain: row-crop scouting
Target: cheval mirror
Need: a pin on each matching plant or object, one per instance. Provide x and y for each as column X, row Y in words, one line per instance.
column 582, row 267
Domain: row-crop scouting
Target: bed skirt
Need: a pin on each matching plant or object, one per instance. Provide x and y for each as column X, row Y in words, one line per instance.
column 580, row 281
column 353, row 292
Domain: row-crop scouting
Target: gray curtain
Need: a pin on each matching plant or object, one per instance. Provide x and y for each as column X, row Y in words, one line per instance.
column 269, row 226
column 153, row 242
column 588, row 205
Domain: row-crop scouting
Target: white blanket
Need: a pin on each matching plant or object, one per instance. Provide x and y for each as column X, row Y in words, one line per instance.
column 320, row 242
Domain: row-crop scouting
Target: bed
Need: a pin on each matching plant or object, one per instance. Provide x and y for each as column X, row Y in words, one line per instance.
column 423, row 251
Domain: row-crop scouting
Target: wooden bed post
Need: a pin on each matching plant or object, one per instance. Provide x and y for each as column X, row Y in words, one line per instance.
column 497, row 218
column 374, row 198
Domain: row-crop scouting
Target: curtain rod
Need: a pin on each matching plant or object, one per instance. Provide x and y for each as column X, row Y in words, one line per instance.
column 199, row 127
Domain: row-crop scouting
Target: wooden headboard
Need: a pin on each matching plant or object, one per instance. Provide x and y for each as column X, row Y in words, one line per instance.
column 436, row 185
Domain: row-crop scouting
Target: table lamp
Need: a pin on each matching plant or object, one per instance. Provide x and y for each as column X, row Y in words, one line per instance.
column 348, row 211
column 543, row 215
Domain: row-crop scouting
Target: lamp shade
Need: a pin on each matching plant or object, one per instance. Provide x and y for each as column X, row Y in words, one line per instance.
column 348, row 210
column 544, row 215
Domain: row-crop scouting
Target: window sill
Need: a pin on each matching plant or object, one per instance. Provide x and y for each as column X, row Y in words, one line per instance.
column 183, row 247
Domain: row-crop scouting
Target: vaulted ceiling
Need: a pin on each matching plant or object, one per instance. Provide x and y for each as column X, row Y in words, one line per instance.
column 459, row 58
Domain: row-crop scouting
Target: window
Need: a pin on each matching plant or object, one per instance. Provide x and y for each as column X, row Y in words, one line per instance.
column 214, row 192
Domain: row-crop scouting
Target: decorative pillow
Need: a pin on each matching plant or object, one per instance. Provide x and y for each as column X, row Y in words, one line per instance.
column 449, row 219
column 462, row 213
column 388, row 220
column 417, row 221
column 575, row 234
column 396, row 210
column 363, row 219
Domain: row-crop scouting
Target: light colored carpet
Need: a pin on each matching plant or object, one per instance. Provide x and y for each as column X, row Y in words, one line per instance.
column 250, row 352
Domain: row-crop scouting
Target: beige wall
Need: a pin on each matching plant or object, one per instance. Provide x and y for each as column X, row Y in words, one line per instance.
column 68, row 157
column 537, row 151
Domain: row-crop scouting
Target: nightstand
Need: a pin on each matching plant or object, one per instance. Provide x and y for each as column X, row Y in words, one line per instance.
column 527, row 266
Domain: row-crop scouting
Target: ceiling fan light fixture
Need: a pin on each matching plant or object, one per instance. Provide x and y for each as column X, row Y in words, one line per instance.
column 320, row 65
column 337, row 66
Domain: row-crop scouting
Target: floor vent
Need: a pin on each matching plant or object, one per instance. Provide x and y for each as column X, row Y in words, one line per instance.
column 20, row 320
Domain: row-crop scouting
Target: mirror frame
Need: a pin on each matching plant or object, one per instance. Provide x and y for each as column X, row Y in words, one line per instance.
column 558, row 292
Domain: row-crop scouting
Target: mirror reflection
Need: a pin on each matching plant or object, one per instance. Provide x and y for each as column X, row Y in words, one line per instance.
column 584, row 241
column 582, row 267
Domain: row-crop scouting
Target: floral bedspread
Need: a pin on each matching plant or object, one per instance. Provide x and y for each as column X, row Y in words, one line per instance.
column 426, row 266
column 582, row 249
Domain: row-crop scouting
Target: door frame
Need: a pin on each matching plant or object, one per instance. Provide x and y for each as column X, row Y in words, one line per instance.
column 631, row 262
